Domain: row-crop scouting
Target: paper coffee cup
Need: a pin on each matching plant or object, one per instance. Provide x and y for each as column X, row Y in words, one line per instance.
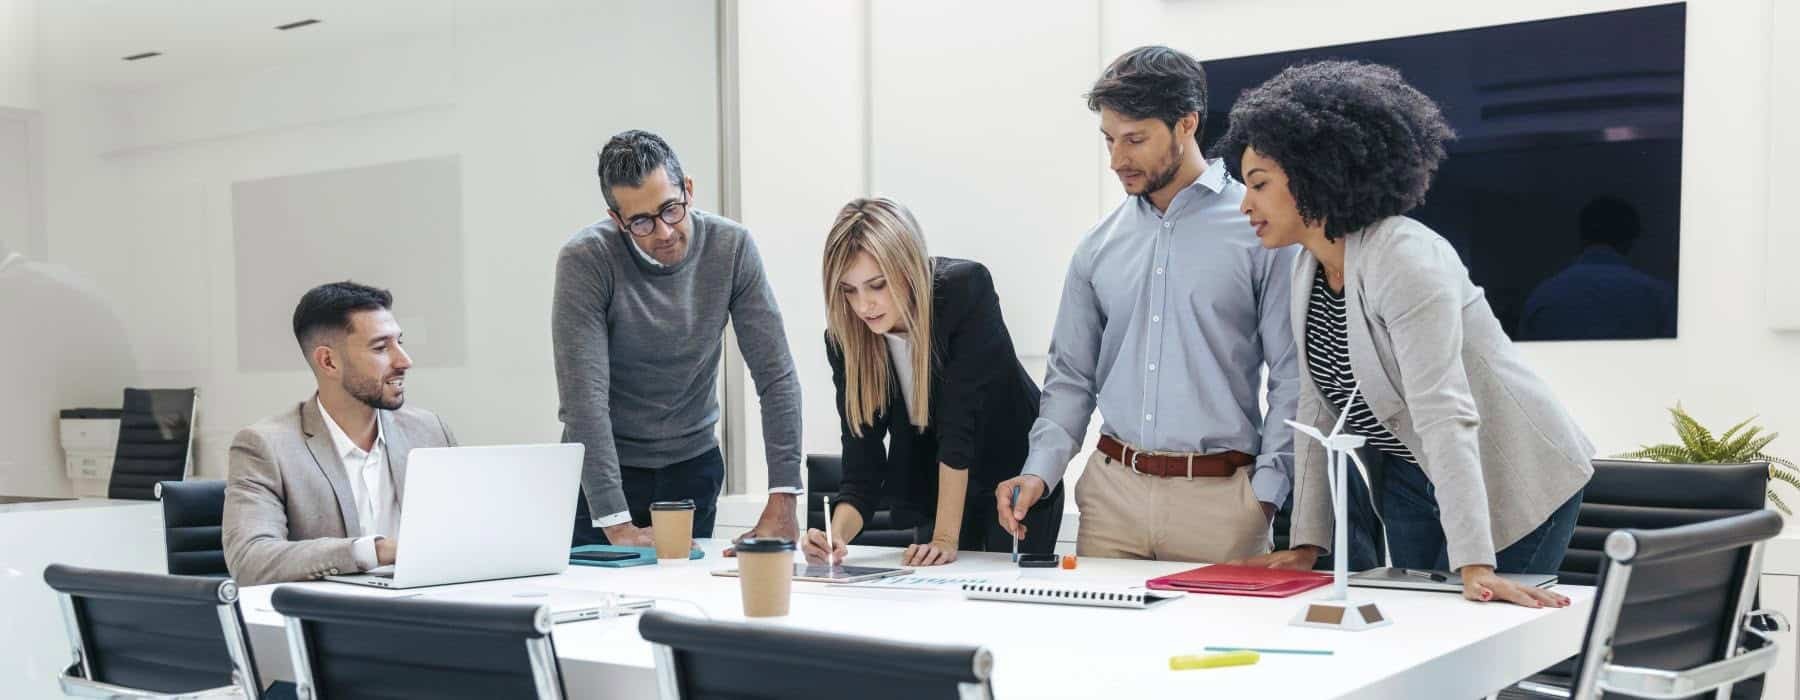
column 672, row 527
column 766, row 575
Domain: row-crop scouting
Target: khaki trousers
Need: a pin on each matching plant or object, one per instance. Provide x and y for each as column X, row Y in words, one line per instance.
column 1128, row 515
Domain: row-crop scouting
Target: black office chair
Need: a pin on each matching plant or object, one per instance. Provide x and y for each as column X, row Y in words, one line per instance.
column 706, row 660
column 1648, row 496
column 150, row 635
column 824, row 475
column 156, row 431
column 346, row 647
column 1705, row 575
column 192, row 514
column 1654, row 495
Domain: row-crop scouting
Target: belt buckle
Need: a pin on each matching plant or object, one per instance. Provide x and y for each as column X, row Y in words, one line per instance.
column 1136, row 453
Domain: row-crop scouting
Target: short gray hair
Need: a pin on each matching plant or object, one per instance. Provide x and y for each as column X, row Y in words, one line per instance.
column 630, row 157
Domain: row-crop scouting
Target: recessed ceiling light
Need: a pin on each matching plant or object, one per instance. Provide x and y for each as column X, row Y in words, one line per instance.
column 142, row 56
column 297, row 25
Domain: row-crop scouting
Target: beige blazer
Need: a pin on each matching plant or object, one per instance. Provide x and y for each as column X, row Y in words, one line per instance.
column 288, row 506
column 1437, row 370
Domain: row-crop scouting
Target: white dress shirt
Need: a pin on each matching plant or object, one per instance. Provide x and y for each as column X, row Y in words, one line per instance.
column 371, row 485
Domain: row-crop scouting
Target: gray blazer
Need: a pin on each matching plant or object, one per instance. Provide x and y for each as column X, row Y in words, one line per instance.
column 1436, row 369
column 288, row 507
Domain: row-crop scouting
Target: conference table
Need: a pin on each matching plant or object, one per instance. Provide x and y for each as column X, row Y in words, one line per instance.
column 1438, row 645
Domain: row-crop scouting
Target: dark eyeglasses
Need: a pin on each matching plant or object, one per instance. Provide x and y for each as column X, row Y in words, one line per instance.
column 671, row 214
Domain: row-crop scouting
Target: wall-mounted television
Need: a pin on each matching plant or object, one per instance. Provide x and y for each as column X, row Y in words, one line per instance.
column 1562, row 191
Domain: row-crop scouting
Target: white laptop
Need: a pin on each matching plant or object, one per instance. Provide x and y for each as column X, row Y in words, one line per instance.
column 479, row 513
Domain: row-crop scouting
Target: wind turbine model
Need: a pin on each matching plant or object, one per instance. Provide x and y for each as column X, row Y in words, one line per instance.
column 1338, row 611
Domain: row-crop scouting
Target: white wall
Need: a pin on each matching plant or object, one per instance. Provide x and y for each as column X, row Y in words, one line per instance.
column 1781, row 287
column 140, row 185
column 20, row 194
column 986, row 134
column 18, row 54
column 802, row 156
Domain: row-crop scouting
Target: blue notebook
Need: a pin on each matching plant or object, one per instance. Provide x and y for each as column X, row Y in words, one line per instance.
column 615, row 557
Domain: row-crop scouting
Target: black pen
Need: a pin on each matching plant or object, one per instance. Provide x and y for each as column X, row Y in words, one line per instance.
column 1432, row 575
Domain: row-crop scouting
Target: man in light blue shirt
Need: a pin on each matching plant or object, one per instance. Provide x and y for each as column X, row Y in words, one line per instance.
column 1169, row 314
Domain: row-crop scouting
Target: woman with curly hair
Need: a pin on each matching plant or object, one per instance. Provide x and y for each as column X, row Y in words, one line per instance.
column 1482, row 468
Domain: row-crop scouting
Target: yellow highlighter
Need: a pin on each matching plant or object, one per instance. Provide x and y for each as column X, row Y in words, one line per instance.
column 1187, row 662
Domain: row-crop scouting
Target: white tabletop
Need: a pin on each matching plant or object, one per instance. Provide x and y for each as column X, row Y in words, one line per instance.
column 1438, row 645
column 63, row 504
column 99, row 533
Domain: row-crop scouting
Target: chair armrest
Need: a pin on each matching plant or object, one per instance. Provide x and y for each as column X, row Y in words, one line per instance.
column 1763, row 622
column 1658, row 684
column 1543, row 689
column 75, row 686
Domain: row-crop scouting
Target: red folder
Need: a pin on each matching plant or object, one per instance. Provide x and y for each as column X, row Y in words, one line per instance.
column 1225, row 579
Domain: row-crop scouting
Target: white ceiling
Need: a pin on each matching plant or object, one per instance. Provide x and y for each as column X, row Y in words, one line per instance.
column 86, row 40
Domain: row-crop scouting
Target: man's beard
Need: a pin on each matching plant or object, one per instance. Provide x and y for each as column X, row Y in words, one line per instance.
column 1165, row 177
column 370, row 393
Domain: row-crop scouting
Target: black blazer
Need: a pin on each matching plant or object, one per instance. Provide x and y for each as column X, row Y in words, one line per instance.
column 982, row 406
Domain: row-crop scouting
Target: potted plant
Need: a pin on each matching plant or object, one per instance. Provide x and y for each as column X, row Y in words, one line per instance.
column 1743, row 443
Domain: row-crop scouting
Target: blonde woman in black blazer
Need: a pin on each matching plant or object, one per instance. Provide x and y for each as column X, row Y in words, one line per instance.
column 921, row 357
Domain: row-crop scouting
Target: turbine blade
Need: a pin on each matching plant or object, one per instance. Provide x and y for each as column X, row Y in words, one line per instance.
column 1307, row 429
column 1354, row 390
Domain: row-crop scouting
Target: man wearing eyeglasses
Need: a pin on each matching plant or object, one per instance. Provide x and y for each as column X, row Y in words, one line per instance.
column 642, row 299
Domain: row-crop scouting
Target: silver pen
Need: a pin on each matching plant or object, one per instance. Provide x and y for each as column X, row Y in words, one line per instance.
column 1015, row 501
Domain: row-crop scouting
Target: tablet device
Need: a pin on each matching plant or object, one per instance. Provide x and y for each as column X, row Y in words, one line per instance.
column 833, row 574
column 1432, row 580
column 602, row 556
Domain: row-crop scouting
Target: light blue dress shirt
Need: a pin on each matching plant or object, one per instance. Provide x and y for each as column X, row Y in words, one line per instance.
column 1167, row 321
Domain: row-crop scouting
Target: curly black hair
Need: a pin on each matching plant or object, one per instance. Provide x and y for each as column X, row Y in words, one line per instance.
column 1357, row 142
column 1152, row 82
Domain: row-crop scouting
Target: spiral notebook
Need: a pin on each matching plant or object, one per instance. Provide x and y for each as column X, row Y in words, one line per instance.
column 1100, row 597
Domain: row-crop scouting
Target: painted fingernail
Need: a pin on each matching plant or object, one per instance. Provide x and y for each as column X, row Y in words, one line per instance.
column 1487, row 595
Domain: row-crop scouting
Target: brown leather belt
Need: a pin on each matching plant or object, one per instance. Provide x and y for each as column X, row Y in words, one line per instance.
column 1171, row 464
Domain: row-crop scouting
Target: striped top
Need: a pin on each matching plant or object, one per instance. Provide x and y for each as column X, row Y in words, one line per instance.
column 1328, row 362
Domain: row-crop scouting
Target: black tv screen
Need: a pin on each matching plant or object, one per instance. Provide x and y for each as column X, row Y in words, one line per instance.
column 1562, row 190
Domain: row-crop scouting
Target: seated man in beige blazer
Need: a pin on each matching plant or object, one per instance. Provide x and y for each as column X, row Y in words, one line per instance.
column 315, row 490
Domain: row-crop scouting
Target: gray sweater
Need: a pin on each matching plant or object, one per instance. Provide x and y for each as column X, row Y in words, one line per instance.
column 637, row 353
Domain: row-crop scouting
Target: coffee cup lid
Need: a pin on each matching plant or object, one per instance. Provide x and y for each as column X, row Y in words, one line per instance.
column 684, row 504
column 759, row 545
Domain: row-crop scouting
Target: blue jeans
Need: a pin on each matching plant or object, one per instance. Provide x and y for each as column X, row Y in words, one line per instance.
column 1415, row 533
column 699, row 478
column 1365, row 529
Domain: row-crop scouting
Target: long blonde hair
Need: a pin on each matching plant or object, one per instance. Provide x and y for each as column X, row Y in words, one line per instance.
column 888, row 233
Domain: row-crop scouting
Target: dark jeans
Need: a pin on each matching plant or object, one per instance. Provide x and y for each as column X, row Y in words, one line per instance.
column 1365, row 528
column 1409, row 509
column 699, row 478
column 981, row 531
